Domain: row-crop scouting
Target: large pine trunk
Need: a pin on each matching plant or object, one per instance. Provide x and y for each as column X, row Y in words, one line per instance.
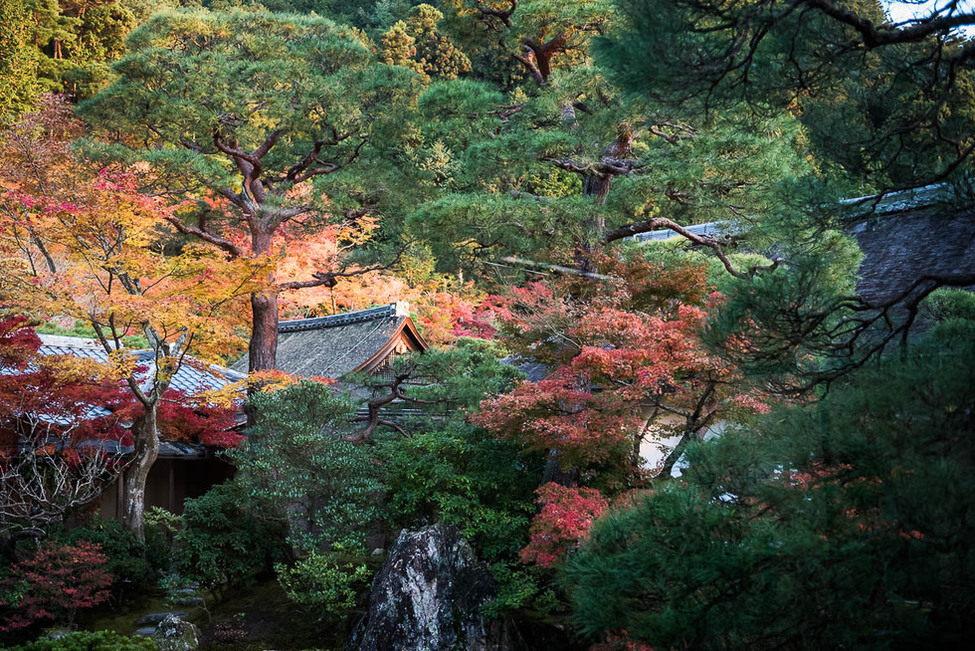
column 146, row 443
column 263, row 349
column 262, row 352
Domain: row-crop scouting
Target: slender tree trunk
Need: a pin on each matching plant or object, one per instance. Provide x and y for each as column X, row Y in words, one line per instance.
column 668, row 466
column 146, row 442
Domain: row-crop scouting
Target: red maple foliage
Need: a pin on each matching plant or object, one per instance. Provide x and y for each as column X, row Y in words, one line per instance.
column 56, row 389
column 564, row 521
column 188, row 418
column 57, row 395
column 64, row 428
column 626, row 363
column 54, row 584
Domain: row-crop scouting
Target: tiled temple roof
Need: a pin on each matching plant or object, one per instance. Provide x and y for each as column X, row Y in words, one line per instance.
column 336, row 345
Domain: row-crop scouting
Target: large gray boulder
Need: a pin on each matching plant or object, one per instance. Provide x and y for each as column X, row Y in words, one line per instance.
column 428, row 596
column 176, row 634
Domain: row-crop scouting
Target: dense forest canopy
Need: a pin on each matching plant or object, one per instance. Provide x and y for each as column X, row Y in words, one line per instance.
column 704, row 439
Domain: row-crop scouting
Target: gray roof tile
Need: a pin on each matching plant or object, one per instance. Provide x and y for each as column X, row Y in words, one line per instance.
column 194, row 376
column 336, row 345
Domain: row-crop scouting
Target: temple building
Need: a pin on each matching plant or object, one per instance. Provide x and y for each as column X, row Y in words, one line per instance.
column 334, row 346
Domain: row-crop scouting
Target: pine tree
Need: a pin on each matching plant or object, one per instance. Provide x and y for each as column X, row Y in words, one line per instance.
column 840, row 523
column 419, row 45
column 18, row 66
column 257, row 109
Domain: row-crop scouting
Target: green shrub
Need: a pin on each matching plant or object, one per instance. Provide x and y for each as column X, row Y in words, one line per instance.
column 465, row 477
column 949, row 303
column 297, row 466
column 90, row 641
column 326, row 584
column 224, row 541
column 484, row 486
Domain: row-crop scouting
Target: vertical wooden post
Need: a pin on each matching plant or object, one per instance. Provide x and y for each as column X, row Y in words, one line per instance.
column 119, row 494
column 172, row 485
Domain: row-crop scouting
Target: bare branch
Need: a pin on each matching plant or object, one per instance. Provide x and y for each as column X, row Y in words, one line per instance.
column 717, row 245
column 874, row 36
column 225, row 244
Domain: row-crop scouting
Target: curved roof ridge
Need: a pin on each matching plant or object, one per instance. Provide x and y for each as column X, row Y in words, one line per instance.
column 346, row 318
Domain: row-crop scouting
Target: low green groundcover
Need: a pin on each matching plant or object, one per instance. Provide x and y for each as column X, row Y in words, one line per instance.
column 90, row 641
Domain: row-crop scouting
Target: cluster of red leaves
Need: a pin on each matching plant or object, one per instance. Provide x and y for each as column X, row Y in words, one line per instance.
column 18, row 343
column 36, row 389
column 39, row 388
column 818, row 475
column 564, row 521
column 183, row 418
column 179, row 418
column 54, row 584
column 616, row 356
column 560, row 413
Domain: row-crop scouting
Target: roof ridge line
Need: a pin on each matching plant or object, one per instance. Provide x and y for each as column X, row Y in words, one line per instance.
column 332, row 320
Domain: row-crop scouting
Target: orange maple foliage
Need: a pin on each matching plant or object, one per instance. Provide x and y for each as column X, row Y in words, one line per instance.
column 445, row 308
column 86, row 244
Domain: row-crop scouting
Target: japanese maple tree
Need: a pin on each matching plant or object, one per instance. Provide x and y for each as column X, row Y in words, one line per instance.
column 53, row 584
column 87, row 244
column 624, row 363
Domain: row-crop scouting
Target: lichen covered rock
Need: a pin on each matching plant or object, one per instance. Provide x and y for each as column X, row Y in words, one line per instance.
column 429, row 596
column 175, row 634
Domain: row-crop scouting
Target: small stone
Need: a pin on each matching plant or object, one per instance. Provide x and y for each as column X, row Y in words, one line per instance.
column 145, row 631
column 56, row 633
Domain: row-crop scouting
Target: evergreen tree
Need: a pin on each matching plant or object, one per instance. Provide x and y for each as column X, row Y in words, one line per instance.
column 418, row 45
column 258, row 109
column 534, row 35
column 843, row 523
column 18, row 66
column 76, row 40
column 889, row 104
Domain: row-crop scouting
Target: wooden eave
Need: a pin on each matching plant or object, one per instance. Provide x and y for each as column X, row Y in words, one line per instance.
column 406, row 331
